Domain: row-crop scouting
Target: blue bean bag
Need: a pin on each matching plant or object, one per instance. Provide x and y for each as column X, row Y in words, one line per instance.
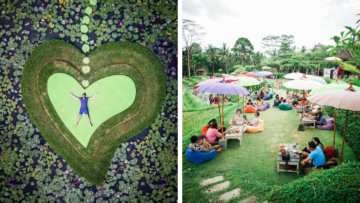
column 200, row 157
column 262, row 107
column 285, row 107
column 268, row 104
column 266, row 97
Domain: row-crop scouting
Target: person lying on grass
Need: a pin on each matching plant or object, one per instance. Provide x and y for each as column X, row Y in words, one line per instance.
column 202, row 145
column 254, row 123
column 83, row 108
column 213, row 134
column 316, row 156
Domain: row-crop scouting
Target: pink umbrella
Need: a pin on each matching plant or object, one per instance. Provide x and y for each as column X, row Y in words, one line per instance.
column 251, row 75
column 267, row 73
column 215, row 80
column 344, row 99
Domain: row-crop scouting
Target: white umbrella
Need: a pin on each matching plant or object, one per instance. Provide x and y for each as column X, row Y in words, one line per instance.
column 293, row 76
column 302, row 84
column 332, row 58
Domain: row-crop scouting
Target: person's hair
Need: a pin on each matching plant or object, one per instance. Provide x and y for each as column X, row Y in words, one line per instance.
column 249, row 100
column 213, row 125
column 84, row 94
column 284, row 100
column 193, row 138
column 258, row 99
column 287, row 92
column 257, row 113
column 317, row 140
column 212, row 120
column 255, row 92
column 237, row 110
column 319, row 109
column 312, row 144
column 281, row 98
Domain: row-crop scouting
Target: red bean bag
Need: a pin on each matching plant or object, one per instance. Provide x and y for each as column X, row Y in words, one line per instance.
column 250, row 109
column 262, row 107
column 329, row 152
column 204, row 129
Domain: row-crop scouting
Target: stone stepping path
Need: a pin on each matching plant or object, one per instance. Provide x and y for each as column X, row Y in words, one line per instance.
column 224, row 185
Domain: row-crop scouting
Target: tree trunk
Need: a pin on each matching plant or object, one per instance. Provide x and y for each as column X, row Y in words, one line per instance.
column 213, row 67
column 307, row 71
column 226, row 69
column 189, row 62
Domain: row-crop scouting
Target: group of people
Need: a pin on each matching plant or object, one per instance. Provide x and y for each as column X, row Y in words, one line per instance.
column 217, row 99
column 313, row 154
column 257, row 98
column 212, row 133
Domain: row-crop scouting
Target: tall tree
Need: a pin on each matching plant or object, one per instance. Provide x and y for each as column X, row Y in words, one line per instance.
column 271, row 44
column 191, row 33
column 286, row 42
column 201, row 60
column 257, row 57
column 224, row 55
column 212, row 52
column 244, row 48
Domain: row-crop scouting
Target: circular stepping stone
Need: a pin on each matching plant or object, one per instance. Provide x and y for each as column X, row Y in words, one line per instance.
column 86, row 69
column 84, row 38
column 86, row 20
column 88, row 10
column 211, row 180
column 218, row 187
column 86, row 60
column 86, row 48
column 85, row 83
column 84, row 28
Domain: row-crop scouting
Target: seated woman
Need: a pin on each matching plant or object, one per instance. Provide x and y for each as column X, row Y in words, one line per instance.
column 258, row 103
column 295, row 102
column 205, row 128
column 213, row 134
column 201, row 145
column 288, row 95
column 276, row 101
column 305, row 152
column 254, row 123
column 255, row 96
column 239, row 118
column 262, row 93
column 315, row 158
column 313, row 109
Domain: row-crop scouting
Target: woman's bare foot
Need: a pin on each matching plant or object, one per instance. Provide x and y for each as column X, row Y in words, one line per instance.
column 219, row 150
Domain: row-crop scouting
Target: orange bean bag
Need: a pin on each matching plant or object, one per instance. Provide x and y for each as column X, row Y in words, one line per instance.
column 258, row 128
column 204, row 129
column 250, row 109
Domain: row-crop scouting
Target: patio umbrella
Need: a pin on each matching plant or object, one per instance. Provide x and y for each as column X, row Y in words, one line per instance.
column 267, row 73
column 302, row 84
column 343, row 99
column 245, row 82
column 293, row 76
column 223, row 88
column 251, row 75
column 316, row 78
column 260, row 75
column 215, row 80
column 332, row 59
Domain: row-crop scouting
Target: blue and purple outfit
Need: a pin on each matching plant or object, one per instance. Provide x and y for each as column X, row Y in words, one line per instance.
column 83, row 108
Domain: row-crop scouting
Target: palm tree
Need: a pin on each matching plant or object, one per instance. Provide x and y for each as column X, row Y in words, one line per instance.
column 244, row 48
column 212, row 52
column 257, row 57
column 224, row 55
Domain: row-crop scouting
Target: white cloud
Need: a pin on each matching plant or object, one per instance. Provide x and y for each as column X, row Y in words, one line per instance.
column 310, row 22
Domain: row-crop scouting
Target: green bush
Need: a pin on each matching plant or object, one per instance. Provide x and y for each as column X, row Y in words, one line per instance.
column 206, row 108
column 187, row 83
column 356, row 81
column 352, row 128
column 340, row 184
column 328, row 80
column 189, row 101
column 280, row 75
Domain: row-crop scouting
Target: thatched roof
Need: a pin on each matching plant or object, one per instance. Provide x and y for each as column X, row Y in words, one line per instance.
column 344, row 55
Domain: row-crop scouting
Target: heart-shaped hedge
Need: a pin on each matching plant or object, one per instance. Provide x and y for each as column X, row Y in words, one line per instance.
column 113, row 58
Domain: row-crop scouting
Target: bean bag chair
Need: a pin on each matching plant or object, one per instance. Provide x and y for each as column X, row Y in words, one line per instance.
column 267, row 104
column 328, row 126
column 258, row 128
column 200, row 157
column 262, row 107
column 271, row 95
column 266, row 97
column 285, row 107
column 254, row 97
column 204, row 129
column 277, row 102
column 250, row 109
column 329, row 152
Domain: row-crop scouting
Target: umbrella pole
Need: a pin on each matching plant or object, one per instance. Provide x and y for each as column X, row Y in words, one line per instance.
column 222, row 121
column 238, row 101
column 342, row 146
column 334, row 126
column 243, row 105
column 219, row 109
column 302, row 114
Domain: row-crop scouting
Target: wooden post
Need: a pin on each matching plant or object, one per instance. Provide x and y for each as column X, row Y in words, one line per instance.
column 219, row 109
column 243, row 105
column 334, row 125
column 342, row 146
column 222, row 120
column 302, row 114
column 238, row 101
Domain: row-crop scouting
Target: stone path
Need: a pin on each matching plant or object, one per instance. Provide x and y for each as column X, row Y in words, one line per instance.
column 226, row 196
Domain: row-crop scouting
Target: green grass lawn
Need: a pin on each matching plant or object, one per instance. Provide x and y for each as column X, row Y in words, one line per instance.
column 256, row 159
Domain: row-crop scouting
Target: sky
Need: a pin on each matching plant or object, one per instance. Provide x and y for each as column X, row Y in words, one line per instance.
column 310, row 21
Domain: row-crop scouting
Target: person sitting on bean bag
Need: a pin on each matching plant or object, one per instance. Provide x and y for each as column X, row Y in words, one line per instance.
column 205, row 128
column 258, row 103
column 285, row 106
column 254, row 123
column 255, row 96
column 213, row 134
column 266, row 97
column 276, row 101
column 199, row 152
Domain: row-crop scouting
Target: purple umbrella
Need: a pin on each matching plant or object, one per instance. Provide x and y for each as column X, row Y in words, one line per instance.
column 223, row 88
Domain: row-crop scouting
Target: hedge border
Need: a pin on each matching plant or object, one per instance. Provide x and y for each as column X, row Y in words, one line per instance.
column 130, row 53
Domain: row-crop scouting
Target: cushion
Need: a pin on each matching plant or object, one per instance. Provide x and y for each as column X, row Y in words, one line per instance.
column 285, row 107
column 328, row 126
column 271, row 95
column 200, row 157
column 262, row 107
column 329, row 152
column 258, row 128
column 250, row 109
column 204, row 129
column 267, row 104
column 266, row 97
column 277, row 102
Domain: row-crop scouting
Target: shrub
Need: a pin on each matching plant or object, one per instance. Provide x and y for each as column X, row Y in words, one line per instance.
column 279, row 75
column 328, row 80
column 190, row 101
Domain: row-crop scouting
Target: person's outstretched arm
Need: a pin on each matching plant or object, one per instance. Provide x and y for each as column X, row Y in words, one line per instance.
column 74, row 96
column 93, row 96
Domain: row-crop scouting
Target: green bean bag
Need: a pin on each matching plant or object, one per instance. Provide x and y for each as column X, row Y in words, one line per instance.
column 285, row 107
column 271, row 95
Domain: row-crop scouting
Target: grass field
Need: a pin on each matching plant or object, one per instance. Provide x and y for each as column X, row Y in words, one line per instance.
column 255, row 161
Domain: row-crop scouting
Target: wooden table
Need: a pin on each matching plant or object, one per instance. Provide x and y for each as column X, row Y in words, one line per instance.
column 306, row 120
column 294, row 159
column 232, row 136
